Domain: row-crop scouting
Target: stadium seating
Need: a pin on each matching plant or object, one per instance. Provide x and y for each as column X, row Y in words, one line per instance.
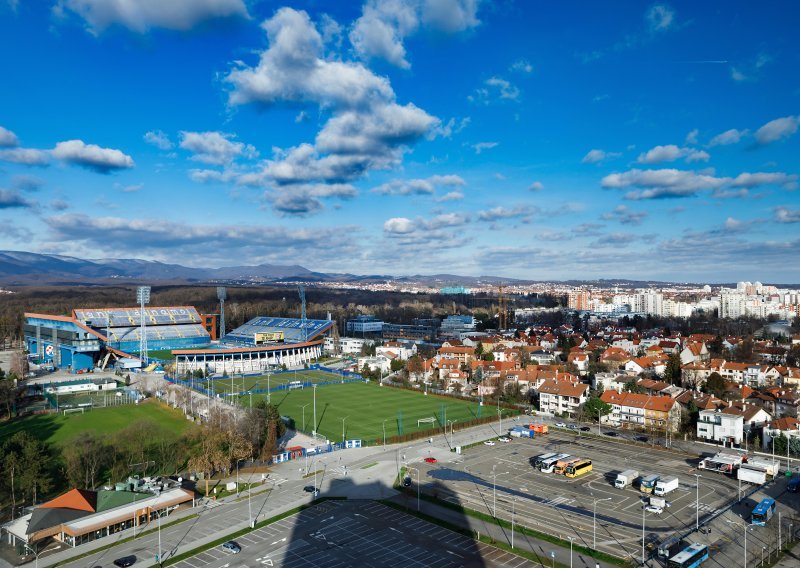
column 294, row 330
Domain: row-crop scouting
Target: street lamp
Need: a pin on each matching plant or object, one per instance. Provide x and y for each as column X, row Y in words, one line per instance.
column 697, row 503
column 744, row 526
column 314, row 429
column 35, row 554
column 417, row 470
column 513, row 510
column 343, row 419
column 494, row 489
column 594, row 520
column 384, row 433
column 644, row 509
column 571, row 540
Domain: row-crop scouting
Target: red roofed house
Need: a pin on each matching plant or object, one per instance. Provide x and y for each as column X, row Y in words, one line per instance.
column 642, row 410
column 562, row 397
column 789, row 427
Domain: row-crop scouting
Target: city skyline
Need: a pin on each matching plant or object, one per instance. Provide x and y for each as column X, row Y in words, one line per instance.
column 544, row 142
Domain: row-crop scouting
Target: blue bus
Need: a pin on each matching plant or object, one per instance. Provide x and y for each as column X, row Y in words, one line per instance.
column 763, row 512
column 690, row 557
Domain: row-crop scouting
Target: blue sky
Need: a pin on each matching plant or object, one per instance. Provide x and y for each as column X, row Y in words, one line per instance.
column 523, row 139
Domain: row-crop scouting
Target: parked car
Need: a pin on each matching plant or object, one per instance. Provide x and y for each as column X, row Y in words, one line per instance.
column 585, row 428
column 430, row 460
column 641, row 438
column 612, row 434
column 311, row 489
column 572, row 426
column 232, row 547
column 125, row 561
column 504, row 439
column 654, row 509
column 561, row 425
column 489, row 443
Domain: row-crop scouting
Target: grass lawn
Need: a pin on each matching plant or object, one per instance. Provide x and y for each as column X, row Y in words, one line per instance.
column 60, row 430
column 244, row 384
column 365, row 407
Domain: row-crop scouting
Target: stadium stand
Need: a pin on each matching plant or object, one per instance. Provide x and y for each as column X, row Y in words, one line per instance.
column 294, row 330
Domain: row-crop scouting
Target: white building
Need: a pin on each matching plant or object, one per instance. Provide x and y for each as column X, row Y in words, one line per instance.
column 364, row 324
column 562, row 397
column 714, row 425
column 377, row 363
column 348, row 345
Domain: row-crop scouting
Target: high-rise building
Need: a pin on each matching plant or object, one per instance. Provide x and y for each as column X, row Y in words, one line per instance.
column 579, row 300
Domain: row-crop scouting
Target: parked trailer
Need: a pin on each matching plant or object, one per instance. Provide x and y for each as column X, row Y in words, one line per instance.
column 522, row 433
column 752, row 474
column 770, row 465
column 625, row 478
column 658, row 501
column 666, row 485
column 725, row 463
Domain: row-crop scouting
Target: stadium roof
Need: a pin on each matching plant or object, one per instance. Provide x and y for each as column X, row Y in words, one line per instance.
column 294, row 330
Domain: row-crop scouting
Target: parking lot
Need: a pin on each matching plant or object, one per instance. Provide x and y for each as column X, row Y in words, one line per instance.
column 499, row 480
column 349, row 533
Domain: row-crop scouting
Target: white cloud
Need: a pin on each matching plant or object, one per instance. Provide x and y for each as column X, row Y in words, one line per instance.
column 91, row 156
column 500, row 212
column 495, row 88
column 522, row 66
column 481, row 146
column 451, row 196
column 625, row 216
column 142, row 15
column 159, row 139
column 25, row 156
column 691, row 138
column 425, row 186
column 26, row 182
column 302, row 200
column 738, row 75
column 786, row 215
column 732, row 136
column 670, row 153
column 12, row 199
column 367, row 129
column 215, row 148
column 399, row 226
column 451, row 127
column 384, row 25
column 660, row 17
column 777, row 129
column 665, row 183
column 7, row 138
column 595, row 156
column 536, row 186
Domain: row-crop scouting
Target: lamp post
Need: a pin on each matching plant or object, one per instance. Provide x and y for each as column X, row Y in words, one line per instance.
column 697, row 503
column 304, row 415
column 384, row 433
column 35, row 554
column 314, row 429
column 513, row 510
column 571, row 540
column 417, row 470
column 643, row 512
column 494, row 489
column 249, row 507
column 594, row 520
column 763, row 548
column 343, row 419
column 744, row 526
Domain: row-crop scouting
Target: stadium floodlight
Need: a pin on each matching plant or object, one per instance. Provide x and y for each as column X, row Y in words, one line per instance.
column 222, row 295
column 143, row 297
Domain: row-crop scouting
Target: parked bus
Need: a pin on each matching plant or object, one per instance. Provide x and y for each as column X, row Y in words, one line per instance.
column 690, row 557
column 561, row 465
column 549, row 464
column 763, row 512
column 538, row 460
column 578, row 468
column 647, row 484
column 671, row 547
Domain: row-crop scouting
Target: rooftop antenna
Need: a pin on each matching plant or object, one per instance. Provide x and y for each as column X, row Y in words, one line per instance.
column 222, row 294
column 302, row 292
column 143, row 297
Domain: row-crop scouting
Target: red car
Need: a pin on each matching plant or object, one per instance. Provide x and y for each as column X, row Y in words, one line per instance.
column 430, row 460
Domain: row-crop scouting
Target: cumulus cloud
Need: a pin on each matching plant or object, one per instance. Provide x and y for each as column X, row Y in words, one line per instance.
column 691, row 138
column 786, row 215
column 426, row 186
column 666, row 183
column 7, row 138
column 595, row 156
column 142, row 15
column 91, row 156
column 11, row 199
column 732, row 136
column 670, row 153
column 399, row 226
column 384, row 25
column 500, row 212
column 451, row 196
column 367, row 128
column 481, row 146
column 625, row 216
column 302, row 200
column 495, row 88
column 158, row 139
column 660, row 17
column 536, row 186
column 777, row 129
column 215, row 148
column 25, row 156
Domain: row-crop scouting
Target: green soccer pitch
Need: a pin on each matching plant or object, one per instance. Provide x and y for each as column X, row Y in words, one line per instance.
column 368, row 408
column 236, row 383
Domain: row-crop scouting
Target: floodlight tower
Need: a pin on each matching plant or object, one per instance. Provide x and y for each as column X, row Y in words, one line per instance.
column 143, row 297
column 222, row 294
column 302, row 292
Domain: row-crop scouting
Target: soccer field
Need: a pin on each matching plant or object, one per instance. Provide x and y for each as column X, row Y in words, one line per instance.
column 367, row 408
column 259, row 383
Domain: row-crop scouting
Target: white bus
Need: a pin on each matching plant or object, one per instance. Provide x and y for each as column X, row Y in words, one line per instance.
column 549, row 464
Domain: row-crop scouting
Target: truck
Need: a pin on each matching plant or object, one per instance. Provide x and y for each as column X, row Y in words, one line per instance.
column 666, row 485
column 722, row 462
column 770, row 465
column 658, row 502
column 539, row 428
column 519, row 432
column 647, row 483
column 794, row 485
column 752, row 474
column 625, row 478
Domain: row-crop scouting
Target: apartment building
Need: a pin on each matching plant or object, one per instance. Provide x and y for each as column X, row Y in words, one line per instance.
column 562, row 397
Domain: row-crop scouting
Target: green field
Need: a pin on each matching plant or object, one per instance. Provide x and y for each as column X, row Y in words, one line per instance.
column 60, row 430
column 244, row 384
column 367, row 407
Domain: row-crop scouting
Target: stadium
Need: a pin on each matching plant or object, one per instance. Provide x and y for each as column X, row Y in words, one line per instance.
column 98, row 337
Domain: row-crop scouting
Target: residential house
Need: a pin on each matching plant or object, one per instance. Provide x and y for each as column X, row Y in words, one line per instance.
column 788, row 426
column 461, row 354
column 717, row 426
column 642, row 410
column 695, row 353
column 609, row 381
column 402, row 351
column 581, row 361
column 615, row 358
column 561, row 397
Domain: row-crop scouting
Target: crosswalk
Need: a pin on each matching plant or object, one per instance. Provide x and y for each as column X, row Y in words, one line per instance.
column 556, row 501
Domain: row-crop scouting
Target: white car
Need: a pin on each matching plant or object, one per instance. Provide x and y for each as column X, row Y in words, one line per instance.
column 504, row 439
column 561, row 425
column 489, row 443
column 654, row 509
